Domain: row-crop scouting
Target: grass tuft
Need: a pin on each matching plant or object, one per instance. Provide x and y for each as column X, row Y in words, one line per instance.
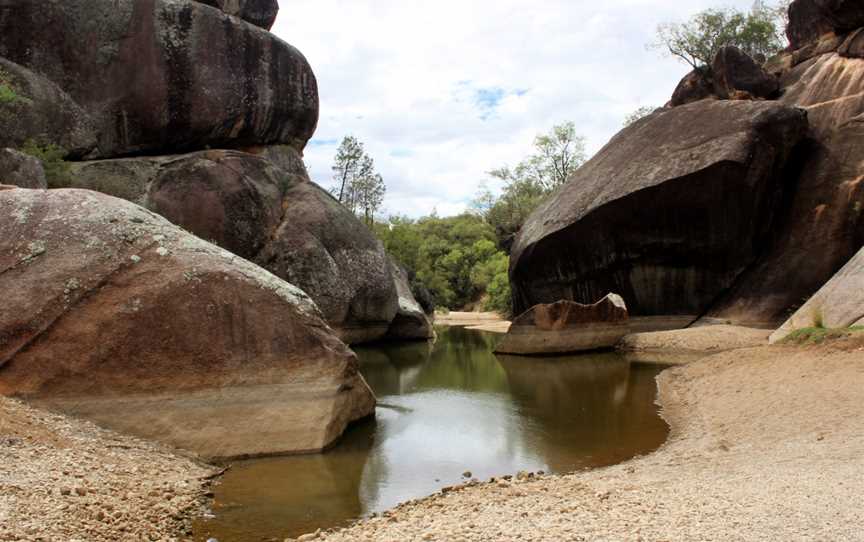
column 819, row 335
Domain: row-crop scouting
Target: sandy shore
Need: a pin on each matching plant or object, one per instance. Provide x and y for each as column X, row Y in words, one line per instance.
column 692, row 344
column 767, row 443
column 65, row 479
column 477, row 321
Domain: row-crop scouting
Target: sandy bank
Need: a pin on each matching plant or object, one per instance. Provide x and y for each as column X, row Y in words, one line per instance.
column 691, row 344
column 478, row 321
column 64, row 479
column 767, row 444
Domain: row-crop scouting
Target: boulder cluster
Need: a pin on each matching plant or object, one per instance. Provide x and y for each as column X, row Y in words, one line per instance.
column 197, row 116
column 734, row 203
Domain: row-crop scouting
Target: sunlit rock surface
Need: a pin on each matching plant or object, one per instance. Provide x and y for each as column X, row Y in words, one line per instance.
column 567, row 327
column 838, row 304
column 113, row 313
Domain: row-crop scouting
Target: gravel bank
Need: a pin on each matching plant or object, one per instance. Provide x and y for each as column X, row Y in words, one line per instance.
column 767, row 444
column 65, row 479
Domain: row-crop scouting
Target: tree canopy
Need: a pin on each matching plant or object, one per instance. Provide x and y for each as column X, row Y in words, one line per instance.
column 759, row 33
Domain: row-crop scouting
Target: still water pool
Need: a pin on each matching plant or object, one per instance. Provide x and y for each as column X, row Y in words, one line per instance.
column 444, row 409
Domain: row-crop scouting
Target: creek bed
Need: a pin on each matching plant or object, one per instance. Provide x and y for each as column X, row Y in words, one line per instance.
column 446, row 409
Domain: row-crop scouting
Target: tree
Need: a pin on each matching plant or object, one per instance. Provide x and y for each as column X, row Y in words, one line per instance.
column 640, row 113
column 557, row 155
column 347, row 165
column 358, row 186
column 697, row 41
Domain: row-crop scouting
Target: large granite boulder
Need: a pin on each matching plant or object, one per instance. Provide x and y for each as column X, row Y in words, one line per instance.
column 39, row 111
column 258, row 12
column 273, row 216
column 566, row 327
column 21, row 170
column 695, row 86
column 322, row 248
column 165, row 75
column 734, row 71
column 230, row 198
column 112, row 313
column 669, row 214
column 411, row 322
column 838, row 304
column 844, row 15
column 822, row 224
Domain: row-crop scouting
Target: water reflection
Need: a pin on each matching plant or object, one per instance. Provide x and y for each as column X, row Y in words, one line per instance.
column 444, row 409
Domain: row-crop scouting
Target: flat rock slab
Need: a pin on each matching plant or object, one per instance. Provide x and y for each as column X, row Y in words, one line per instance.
column 839, row 304
column 567, row 327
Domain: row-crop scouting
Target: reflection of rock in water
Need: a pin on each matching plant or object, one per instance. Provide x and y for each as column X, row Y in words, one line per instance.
column 394, row 369
column 291, row 495
column 591, row 408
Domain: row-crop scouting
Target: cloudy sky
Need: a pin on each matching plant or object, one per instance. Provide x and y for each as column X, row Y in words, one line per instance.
column 442, row 91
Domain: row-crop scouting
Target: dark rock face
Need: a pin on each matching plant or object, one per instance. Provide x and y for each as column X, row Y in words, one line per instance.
column 734, row 71
column 42, row 112
column 667, row 215
column 21, row 170
column 258, row 12
column 807, row 22
column 159, row 75
column 695, row 86
column 410, row 322
column 324, row 250
column 112, row 312
column 567, row 327
column 822, row 225
column 853, row 46
column 844, row 15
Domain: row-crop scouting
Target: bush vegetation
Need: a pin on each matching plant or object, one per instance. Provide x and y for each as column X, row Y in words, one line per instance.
column 52, row 157
column 819, row 335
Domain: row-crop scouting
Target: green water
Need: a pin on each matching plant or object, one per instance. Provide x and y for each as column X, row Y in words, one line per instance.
column 445, row 409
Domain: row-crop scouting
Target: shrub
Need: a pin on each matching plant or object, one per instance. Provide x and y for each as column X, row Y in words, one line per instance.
column 56, row 168
column 818, row 335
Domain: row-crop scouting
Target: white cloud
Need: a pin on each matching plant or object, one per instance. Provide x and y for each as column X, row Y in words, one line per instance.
column 443, row 91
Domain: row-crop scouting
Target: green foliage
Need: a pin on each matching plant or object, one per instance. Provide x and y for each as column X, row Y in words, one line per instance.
column 557, row 155
column 819, row 335
column 8, row 93
column 639, row 114
column 56, row 168
column 456, row 258
column 696, row 42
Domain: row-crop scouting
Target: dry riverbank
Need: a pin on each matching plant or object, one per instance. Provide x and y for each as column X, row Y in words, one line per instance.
column 477, row 321
column 65, row 479
column 767, row 443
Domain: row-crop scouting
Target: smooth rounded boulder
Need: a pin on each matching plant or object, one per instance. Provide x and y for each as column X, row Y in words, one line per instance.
column 112, row 313
column 668, row 214
column 165, row 76
column 36, row 111
column 21, row 170
column 411, row 322
column 695, row 86
column 324, row 249
column 734, row 72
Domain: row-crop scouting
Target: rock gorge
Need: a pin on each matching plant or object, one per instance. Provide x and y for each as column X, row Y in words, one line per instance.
column 197, row 116
column 736, row 202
